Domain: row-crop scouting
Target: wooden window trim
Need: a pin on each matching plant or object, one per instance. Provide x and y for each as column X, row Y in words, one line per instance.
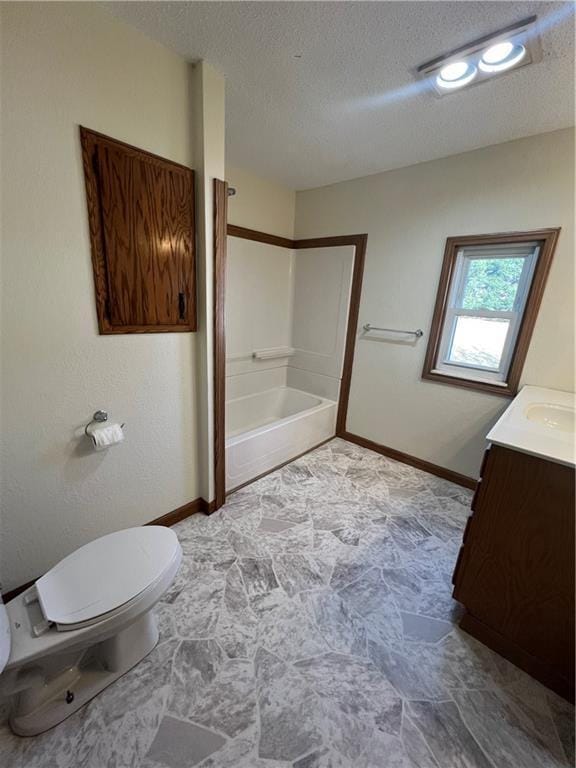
column 89, row 140
column 548, row 239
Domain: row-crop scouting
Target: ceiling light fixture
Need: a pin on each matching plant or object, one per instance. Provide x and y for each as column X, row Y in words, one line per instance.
column 498, row 52
column 494, row 60
column 456, row 74
column 483, row 59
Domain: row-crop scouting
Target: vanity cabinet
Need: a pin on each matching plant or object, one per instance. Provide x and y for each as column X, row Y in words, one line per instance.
column 515, row 571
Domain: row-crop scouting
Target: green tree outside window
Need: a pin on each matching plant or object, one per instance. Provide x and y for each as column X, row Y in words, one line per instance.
column 492, row 284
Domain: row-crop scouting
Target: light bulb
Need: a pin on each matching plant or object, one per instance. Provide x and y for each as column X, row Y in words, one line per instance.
column 501, row 56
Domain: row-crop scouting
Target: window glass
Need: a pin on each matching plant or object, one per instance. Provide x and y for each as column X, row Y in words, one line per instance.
column 492, row 283
column 478, row 341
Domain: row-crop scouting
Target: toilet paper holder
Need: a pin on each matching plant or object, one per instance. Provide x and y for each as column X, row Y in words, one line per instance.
column 99, row 417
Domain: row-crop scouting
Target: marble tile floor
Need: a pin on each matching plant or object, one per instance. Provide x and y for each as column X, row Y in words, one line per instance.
column 312, row 626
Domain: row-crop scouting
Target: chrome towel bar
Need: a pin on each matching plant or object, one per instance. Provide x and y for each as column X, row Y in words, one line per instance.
column 367, row 328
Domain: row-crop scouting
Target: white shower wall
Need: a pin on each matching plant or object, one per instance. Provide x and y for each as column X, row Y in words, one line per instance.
column 259, row 287
column 277, row 297
column 322, row 278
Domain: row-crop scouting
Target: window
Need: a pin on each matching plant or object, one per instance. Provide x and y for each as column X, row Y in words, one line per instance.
column 490, row 290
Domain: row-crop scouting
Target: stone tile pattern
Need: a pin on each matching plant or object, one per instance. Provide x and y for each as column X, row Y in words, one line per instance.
column 312, row 626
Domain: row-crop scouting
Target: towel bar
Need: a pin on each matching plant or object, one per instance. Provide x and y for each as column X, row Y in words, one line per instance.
column 367, row 328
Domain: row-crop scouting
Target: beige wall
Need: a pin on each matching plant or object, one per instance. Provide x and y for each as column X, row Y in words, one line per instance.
column 260, row 204
column 64, row 65
column 408, row 214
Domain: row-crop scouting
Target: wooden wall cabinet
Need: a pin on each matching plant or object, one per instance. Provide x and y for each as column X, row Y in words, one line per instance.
column 141, row 219
column 515, row 570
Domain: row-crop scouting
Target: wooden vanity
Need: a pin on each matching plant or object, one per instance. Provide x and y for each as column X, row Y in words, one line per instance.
column 515, row 570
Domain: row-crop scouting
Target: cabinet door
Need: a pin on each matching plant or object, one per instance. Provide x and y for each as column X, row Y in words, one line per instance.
column 143, row 249
column 517, row 570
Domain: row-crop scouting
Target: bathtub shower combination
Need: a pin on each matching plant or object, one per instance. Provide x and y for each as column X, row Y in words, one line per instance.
column 287, row 316
column 268, row 428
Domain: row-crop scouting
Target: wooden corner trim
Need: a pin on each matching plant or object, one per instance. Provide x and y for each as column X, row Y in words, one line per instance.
column 232, row 230
column 327, row 242
column 260, row 237
column 413, row 461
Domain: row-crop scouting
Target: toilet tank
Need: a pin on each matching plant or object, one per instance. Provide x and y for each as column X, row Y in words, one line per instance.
column 4, row 636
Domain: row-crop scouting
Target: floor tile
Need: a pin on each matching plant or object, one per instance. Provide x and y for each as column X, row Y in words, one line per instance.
column 290, row 716
column 312, row 625
column 502, row 734
column 180, row 745
column 297, row 573
column 423, row 628
column 449, row 739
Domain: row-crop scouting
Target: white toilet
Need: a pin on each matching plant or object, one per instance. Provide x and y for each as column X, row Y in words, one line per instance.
column 83, row 624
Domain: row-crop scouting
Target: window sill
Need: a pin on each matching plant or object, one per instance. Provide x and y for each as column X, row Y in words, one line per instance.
column 504, row 389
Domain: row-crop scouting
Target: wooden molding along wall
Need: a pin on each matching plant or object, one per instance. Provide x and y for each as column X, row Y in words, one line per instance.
column 260, row 237
column 181, row 513
column 413, row 461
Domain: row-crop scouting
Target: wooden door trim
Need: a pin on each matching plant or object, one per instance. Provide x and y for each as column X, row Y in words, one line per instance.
column 359, row 242
column 220, row 232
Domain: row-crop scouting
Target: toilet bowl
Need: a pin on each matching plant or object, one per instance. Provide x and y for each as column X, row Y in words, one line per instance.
column 83, row 624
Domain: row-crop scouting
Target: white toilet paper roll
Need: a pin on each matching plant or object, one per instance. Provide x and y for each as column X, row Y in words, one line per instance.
column 104, row 437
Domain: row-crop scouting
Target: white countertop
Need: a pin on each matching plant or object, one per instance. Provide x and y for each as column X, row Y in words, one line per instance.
column 539, row 421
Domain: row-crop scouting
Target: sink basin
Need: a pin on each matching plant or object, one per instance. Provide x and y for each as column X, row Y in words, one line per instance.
column 557, row 417
column 539, row 422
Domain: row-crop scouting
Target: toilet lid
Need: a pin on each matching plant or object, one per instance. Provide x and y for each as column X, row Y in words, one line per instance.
column 106, row 573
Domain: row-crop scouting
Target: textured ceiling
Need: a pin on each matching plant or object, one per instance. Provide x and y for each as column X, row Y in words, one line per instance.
column 347, row 106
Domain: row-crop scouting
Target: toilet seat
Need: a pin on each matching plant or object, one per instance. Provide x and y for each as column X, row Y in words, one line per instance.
column 103, row 595
column 102, row 576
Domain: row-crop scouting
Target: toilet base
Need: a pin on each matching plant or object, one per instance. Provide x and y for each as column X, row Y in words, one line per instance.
column 41, row 707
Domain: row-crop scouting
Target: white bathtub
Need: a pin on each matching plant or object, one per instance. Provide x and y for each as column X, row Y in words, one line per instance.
column 269, row 428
